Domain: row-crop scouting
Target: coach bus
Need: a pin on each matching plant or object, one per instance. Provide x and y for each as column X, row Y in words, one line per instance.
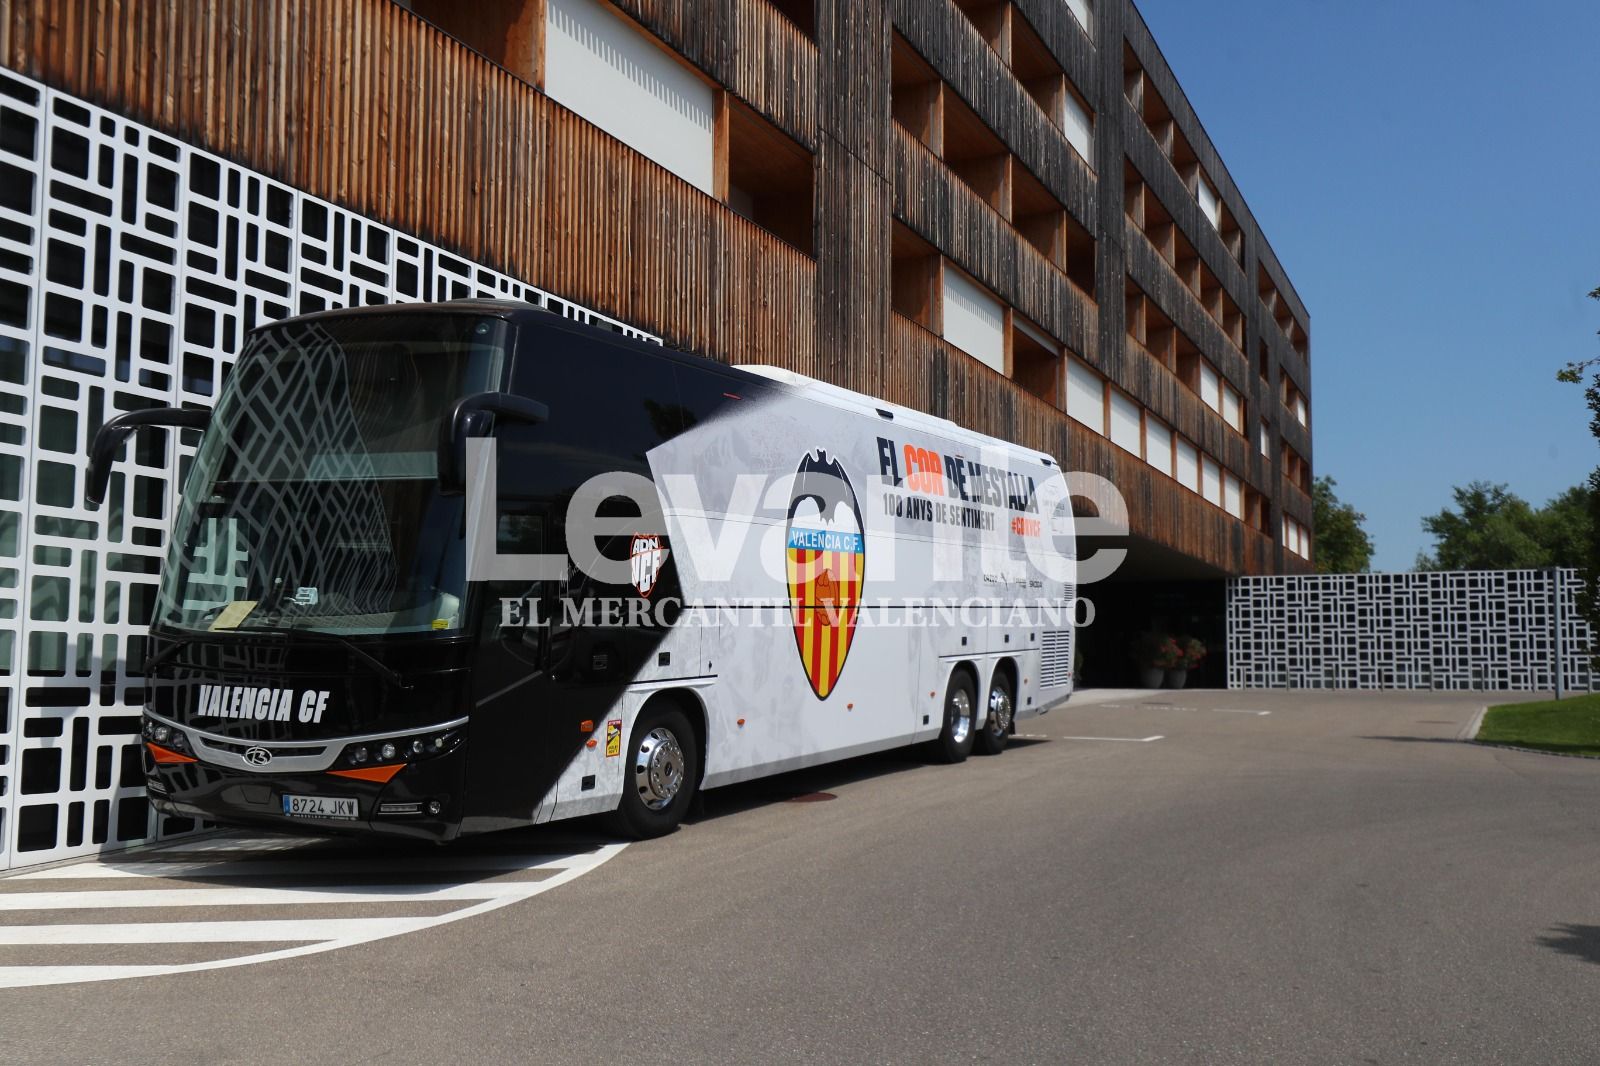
column 445, row 568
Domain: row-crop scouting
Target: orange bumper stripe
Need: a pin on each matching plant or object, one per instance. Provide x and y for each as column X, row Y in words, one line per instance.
column 167, row 755
column 371, row 773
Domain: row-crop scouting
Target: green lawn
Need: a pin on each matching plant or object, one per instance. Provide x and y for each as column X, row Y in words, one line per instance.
column 1571, row 725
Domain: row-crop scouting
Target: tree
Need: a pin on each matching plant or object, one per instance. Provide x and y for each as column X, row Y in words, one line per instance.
column 1566, row 526
column 1343, row 546
column 1589, row 549
column 1492, row 528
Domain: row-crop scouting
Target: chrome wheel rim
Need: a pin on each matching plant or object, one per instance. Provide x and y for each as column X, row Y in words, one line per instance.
column 658, row 768
column 999, row 711
column 961, row 724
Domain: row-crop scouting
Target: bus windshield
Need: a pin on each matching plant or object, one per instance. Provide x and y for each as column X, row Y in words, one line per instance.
column 313, row 501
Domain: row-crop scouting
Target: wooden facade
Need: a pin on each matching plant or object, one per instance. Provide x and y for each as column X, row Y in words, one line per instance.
column 446, row 133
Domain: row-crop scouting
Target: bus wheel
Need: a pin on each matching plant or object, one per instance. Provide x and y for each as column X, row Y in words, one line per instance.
column 997, row 724
column 955, row 739
column 659, row 777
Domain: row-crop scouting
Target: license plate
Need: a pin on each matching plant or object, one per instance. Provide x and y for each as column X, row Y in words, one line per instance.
column 319, row 807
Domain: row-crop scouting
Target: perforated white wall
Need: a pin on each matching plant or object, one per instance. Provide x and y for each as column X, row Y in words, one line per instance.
column 1471, row 629
column 131, row 265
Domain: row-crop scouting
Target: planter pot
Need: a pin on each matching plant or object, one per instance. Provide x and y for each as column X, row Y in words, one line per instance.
column 1177, row 678
column 1152, row 677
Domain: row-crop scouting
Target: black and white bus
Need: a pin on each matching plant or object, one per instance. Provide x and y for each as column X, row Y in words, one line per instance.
column 440, row 569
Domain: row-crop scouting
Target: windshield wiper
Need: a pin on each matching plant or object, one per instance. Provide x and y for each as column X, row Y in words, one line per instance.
column 148, row 667
column 377, row 665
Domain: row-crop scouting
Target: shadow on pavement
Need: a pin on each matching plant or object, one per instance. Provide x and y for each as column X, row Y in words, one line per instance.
column 801, row 784
column 1579, row 941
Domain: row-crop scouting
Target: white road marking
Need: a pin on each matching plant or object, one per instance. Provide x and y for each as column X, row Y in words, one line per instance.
column 268, row 930
column 1127, row 740
column 253, row 897
column 293, row 867
column 1176, row 707
column 308, row 937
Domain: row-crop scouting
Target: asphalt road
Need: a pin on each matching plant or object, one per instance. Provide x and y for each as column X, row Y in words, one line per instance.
column 1337, row 880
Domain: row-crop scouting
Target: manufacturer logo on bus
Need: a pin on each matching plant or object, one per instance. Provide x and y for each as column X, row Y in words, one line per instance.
column 827, row 555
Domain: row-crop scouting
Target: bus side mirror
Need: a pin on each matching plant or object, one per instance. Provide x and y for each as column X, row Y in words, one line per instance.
column 471, row 418
column 108, row 441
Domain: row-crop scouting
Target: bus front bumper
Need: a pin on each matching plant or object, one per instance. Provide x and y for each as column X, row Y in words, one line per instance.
column 421, row 800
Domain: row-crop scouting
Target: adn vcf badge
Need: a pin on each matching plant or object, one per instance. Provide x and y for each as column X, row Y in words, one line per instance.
column 827, row 556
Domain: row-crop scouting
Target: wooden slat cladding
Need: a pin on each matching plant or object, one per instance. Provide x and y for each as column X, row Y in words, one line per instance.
column 852, row 269
column 748, row 46
column 353, row 100
column 958, row 52
column 943, row 209
column 931, row 375
column 775, row 69
column 1170, row 400
column 1157, row 172
column 1172, row 94
column 1296, row 504
column 855, row 35
column 1058, row 28
column 359, row 102
column 1294, row 434
column 676, row 259
column 362, row 103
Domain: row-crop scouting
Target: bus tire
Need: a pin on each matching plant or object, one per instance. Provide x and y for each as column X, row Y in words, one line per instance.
column 960, row 703
column 996, row 729
column 660, row 774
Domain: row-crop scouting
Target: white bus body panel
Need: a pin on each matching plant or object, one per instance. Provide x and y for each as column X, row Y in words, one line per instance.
column 725, row 488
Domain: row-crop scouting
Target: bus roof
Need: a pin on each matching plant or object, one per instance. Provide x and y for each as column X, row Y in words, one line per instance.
column 861, row 403
column 819, row 391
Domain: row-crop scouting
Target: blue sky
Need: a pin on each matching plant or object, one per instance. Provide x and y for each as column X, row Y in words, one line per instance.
column 1429, row 174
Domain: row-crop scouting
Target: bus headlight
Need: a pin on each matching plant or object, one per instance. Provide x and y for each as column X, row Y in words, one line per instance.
column 404, row 749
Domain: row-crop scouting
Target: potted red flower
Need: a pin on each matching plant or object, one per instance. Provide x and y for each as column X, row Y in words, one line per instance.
column 1191, row 653
column 1157, row 654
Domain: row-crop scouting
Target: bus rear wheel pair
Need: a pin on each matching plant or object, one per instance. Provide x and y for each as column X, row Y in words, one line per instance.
column 959, row 738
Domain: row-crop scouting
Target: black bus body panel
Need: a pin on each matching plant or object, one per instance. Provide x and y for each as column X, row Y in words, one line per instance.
column 527, row 692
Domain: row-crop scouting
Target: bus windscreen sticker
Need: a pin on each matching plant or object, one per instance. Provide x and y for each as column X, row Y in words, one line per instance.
column 827, row 554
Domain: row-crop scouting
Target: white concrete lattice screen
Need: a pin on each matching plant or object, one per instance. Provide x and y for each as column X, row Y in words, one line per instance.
column 131, row 266
column 1462, row 630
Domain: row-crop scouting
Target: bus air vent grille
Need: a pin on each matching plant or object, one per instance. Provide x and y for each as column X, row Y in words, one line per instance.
column 1055, row 657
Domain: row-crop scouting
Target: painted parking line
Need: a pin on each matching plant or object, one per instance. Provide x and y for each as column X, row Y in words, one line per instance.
column 1125, row 740
column 1176, row 707
column 280, row 875
column 117, row 898
column 1128, row 740
column 264, row 931
column 289, row 867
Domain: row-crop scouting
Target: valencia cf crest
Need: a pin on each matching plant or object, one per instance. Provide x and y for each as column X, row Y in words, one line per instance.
column 827, row 554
